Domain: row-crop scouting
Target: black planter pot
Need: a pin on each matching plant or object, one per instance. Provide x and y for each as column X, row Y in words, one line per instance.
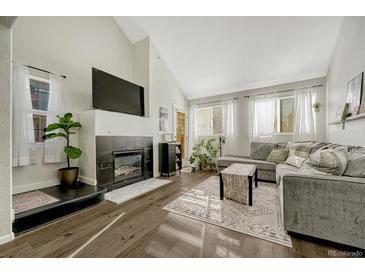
column 68, row 176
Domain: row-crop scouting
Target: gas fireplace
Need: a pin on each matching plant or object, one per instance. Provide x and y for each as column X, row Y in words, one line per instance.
column 123, row 160
column 128, row 165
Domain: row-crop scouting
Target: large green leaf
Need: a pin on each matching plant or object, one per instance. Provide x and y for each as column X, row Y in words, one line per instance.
column 73, row 152
column 52, row 127
column 76, row 124
column 54, row 135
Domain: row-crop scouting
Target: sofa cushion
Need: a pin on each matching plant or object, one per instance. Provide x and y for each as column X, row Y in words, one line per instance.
column 330, row 161
column 356, row 163
column 282, row 145
column 230, row 159
column 260, row 150
column 278, row 156
column 299, row 149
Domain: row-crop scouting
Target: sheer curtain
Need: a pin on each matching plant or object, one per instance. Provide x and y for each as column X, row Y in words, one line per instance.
column 23, row 130
column 53, row 151
column 304, row 121
column 230, row 127
column 262, row 119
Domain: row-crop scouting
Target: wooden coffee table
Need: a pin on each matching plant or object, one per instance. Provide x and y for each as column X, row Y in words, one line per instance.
column 237, row 177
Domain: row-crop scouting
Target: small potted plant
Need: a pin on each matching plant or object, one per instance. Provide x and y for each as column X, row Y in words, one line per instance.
column 317, row 106
column 62, row 129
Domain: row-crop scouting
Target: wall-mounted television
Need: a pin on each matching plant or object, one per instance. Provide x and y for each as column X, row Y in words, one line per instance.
column 115, row 94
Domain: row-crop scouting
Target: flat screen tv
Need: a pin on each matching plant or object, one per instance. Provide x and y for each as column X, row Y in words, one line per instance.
column 115, row 94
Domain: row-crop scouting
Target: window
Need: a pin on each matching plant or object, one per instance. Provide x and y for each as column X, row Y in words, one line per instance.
column 285, row 115
column 39, row 90
column 209, row 121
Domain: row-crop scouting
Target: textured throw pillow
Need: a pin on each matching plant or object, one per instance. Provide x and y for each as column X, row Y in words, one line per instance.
column 295, row 160
column 331, row 161
column 356, row 163
column 299, row 149
column 278, row 156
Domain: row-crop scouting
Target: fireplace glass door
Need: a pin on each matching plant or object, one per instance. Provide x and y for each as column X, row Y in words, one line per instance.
column 128, row 165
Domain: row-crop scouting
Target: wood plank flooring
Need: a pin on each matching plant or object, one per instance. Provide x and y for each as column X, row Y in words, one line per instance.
column 146, row 230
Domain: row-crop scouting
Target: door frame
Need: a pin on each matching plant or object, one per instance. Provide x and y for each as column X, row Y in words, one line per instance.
column 178, row 108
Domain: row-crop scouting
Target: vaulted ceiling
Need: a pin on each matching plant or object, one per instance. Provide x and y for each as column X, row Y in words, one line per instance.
column 216, row 55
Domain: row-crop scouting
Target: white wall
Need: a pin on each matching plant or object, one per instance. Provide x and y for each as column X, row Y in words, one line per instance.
column 141, row 70
column 348, row 60
column 70, row 46
column 243, row 110
column 5, row 135
column 164, row 92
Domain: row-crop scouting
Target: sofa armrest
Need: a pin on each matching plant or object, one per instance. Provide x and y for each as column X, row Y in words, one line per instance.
column 326, row 207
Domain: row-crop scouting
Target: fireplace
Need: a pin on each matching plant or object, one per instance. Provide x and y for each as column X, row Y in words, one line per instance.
column 123, row 160
column 128, row 165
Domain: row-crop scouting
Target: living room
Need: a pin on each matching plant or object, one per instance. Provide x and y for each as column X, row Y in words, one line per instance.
column 183, row 137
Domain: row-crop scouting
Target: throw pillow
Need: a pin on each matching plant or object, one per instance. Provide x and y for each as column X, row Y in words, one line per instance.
column 278, row 156
column 331, row 161
column 356, row 163
column 299, row 149
column 295, row 160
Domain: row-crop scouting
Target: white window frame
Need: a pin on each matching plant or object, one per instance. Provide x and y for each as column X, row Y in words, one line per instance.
column 278, row 116
column 37, row 111
column 211, row 109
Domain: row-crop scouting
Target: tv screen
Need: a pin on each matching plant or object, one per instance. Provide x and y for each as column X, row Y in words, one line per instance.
column 115, row 94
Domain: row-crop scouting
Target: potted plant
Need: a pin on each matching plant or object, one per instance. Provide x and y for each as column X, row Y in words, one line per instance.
column 345, row 115
column 62, row 129
column 317, row 106
column 204, row 155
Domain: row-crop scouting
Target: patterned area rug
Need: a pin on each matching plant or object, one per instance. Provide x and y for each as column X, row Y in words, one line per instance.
column 263, row 220
column 129, row 192
column 30, row 200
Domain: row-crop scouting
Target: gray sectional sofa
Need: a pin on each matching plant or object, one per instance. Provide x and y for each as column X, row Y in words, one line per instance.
column 323, row 206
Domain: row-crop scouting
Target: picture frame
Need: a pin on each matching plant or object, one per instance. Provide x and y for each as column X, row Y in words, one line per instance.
column 354, row 94
column 164, row 118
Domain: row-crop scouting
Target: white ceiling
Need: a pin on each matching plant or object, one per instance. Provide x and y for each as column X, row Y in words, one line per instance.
column 216, row 55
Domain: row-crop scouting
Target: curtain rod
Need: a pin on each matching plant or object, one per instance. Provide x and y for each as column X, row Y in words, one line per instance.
column 46, row 71
column 248, row 96
column 218, row 101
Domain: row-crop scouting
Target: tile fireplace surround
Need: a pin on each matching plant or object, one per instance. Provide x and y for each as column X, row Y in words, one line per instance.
column 123, row 160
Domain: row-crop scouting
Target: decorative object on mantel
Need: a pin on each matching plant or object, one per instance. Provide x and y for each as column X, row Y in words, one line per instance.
column 345, row 115
column 354, row 94
column 69, row 174
column 164, row 117
column 317, row 106
column 168, row 137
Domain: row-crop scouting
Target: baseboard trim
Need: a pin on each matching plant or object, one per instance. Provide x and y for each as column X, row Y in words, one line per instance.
column 87, row 180
column 6, row 238
column 34, row 186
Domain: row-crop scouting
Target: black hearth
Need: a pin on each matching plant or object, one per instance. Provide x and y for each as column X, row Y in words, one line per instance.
column 123, row 160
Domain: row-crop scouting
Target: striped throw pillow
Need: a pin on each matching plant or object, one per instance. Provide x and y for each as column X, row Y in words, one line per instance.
column 331, row 161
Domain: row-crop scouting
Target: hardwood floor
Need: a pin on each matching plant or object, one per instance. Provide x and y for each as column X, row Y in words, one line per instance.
column 146, row 230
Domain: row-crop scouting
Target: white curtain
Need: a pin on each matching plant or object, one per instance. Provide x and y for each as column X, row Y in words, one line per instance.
column 262, row 119
column 53, row 151
column 230, row 127
column 23, row 130
column 193, row 137
column 304, row 121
